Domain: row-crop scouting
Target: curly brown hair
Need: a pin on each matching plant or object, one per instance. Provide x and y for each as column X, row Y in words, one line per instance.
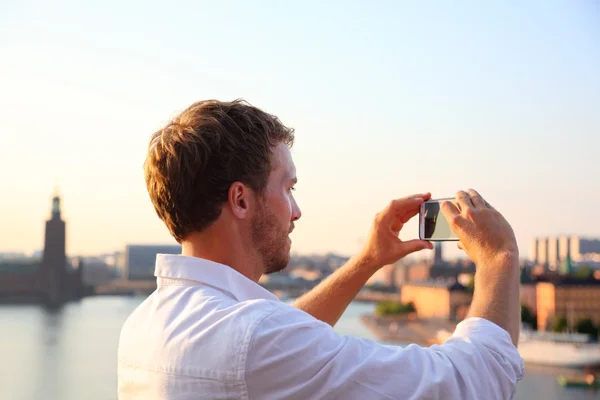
column 193, row 161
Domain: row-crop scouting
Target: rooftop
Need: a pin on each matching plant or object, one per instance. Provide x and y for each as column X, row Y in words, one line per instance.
column 573, row 281
column 18, row 266
column 449, row 284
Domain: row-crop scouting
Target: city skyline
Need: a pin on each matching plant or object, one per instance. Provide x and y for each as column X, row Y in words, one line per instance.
column 404, row 99
column 534, row 253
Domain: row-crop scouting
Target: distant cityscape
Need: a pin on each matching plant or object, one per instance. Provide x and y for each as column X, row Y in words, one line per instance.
column 561, row 278
column 558, row 253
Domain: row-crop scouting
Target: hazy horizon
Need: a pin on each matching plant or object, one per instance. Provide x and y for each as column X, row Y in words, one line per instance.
column 387, row 100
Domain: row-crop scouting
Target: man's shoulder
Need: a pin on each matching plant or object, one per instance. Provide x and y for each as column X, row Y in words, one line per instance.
column 211, row 326
column 206, row 307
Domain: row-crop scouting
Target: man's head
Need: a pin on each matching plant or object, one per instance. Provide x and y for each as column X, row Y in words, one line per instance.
column 226, row 164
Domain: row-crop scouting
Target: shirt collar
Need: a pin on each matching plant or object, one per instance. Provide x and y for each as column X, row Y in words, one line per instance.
column 221, row 276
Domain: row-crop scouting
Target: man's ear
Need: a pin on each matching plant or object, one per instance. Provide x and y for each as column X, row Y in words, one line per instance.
column 239, row 200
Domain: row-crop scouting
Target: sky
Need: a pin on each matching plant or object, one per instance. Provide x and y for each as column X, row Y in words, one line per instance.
column 387, row 99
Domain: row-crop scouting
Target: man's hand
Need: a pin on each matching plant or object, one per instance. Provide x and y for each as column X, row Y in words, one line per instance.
column 483, row 232
column 383, row 244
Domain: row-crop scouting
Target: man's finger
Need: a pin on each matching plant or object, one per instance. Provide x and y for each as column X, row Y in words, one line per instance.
column 414, row 245
column 401, row 206
column 464, row 201
column 425, row 196
column 449, row 210
column 476, row 199
column 409, row 214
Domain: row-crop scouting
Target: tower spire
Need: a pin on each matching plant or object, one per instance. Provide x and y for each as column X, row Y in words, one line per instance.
column 55, row 206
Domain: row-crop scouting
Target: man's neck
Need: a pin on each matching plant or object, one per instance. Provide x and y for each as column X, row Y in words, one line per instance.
column 223, row 249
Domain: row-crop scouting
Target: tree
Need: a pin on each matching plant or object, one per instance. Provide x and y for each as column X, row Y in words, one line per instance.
column 560, row 324
column 385, row 308
column 528, row 317
column 586, row 325
column 583, row 272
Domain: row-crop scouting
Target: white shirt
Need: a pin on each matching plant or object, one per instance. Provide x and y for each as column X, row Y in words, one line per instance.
column 208, row 332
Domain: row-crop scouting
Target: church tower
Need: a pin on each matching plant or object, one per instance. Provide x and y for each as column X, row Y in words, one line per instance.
column 54, row 279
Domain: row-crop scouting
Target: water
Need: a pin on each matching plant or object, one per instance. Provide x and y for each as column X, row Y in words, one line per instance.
column 71, row 354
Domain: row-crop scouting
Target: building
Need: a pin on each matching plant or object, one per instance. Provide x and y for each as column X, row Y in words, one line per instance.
column 438, row 268
column 564, row 247
column 392, row 275
column 552, row 252
column 19, row 280
column 542, row 251
column 140, row 260
column 584, row 249
column 98, row 270
column 572, row 298
column 440, row 298
column 54, row 259
column 52, row 281
column 533, row 251
column 12, row 255
column 528, row 291
column 418, row 272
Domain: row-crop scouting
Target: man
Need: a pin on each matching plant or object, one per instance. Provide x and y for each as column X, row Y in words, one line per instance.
column 221, row 177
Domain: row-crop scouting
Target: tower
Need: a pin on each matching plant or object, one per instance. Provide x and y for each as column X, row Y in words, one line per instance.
column 438, row 258
column 54, row 279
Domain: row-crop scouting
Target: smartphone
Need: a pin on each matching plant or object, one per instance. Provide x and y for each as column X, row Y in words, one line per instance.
column 433, row 226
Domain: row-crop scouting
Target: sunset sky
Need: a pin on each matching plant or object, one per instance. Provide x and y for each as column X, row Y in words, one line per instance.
column 387, row 99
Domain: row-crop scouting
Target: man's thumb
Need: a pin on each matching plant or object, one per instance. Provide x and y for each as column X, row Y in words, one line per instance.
column 415, row 245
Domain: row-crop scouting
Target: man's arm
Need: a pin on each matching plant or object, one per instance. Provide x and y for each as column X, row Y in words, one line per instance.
column 294, row 356
column 490, row 242
column 328, row 300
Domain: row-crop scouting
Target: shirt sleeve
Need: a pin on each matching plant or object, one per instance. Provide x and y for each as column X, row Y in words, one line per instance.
column 294, row 356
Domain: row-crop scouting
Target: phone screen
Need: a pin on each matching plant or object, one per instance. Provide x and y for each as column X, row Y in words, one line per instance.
column 434, row 225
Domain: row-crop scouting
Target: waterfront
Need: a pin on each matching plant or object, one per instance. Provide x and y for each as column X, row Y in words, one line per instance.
column 71, row 354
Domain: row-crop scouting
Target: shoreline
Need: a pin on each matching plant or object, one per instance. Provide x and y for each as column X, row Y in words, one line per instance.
column 404, row 329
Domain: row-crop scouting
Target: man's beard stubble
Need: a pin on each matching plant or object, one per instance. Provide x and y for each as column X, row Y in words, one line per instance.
column 271, row 241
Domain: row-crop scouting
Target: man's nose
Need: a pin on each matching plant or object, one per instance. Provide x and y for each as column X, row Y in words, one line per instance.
column 296, row 213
